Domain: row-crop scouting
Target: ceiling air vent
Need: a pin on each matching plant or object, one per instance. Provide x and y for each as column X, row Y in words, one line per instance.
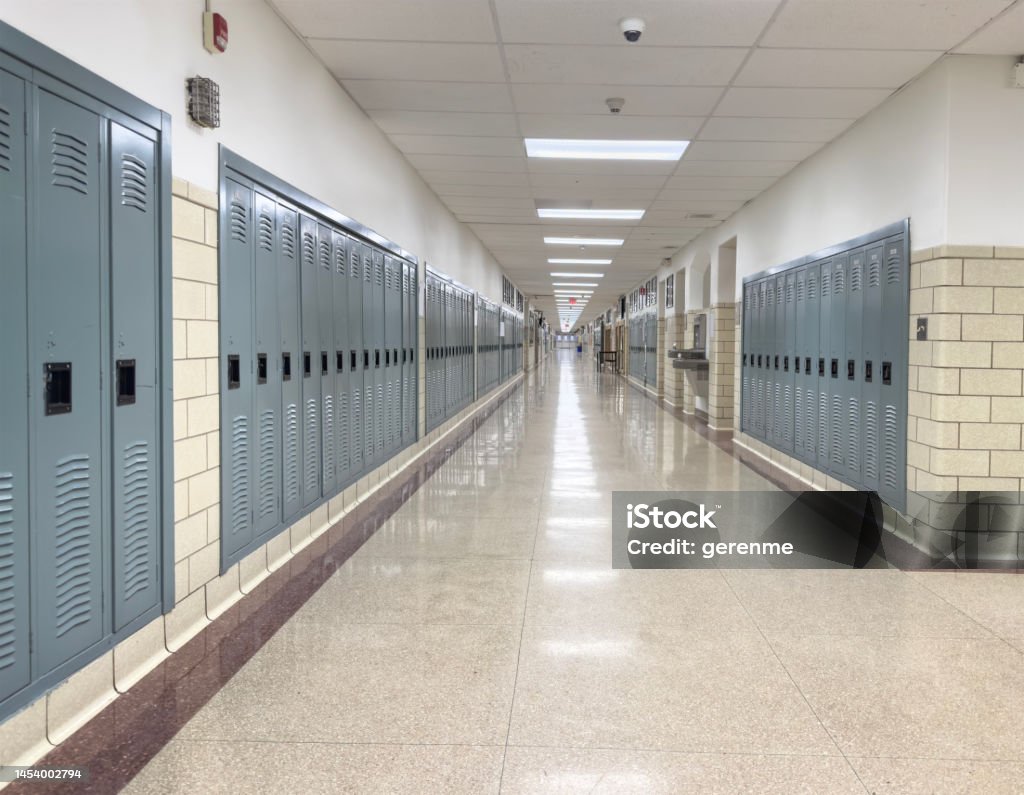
column 700, row 216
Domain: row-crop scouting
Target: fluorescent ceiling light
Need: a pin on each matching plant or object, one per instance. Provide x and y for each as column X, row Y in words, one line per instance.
column 583, row 241
column 590, row 215
column 557, row 261
column 585, row 149
column 574, row 292
column 557, row 274
column 574, row 284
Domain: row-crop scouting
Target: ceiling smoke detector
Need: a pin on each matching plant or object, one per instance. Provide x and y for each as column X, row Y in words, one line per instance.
column 615, row 104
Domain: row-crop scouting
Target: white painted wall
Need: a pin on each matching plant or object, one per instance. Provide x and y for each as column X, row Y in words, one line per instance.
column 280, row 108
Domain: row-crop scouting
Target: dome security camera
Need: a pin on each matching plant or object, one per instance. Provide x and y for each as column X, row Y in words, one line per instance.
column 615, row 104
column 632, row 28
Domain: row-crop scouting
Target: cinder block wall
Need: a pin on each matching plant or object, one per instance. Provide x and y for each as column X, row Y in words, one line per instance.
column 721, row 367
column 675, row 380
column 201, row 593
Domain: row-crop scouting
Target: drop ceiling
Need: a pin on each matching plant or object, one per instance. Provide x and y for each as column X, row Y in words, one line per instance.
column 756, row 85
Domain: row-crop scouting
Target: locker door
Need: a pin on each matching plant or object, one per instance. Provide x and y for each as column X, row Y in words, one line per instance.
column 788, row 363
column 779, row 337
column 369, row 412
column 852, row 366
column 810, row 364
column 14, row 526
column 289, row 364
column 870, row 373
column 769, row 352
column 799, row 379
column 824, row 377
column 744, row 362
column 65, row 389
column 326, row 360
column 893, row 386
column 411, row 329
column 310, row 366
column 135, row 310
column 836, row 368
column 392, row 342
column 342, row 371
column 378, row 359
column 267, row 377
column 355, row 357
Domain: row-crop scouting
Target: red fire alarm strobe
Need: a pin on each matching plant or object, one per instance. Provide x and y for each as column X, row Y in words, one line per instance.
column 215, row 32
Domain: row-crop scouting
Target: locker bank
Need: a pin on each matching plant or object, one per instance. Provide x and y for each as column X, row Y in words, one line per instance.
column 305, row 486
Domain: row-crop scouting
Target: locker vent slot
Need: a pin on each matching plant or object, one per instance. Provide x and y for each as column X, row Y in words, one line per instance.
column 73, row 564
column 853, row 435
column 5, row 139
column 871, row 441
column 837, row 429
column 343, row 430
column 238, row 221
column 325, row 255
column 874, row 277
column 266, row 233
column 889, row 437
column 70, row 162
column 855, row 278
column 239, row 474
column 312, row 452
column 288, row 241
column 291, row 453
column 134, row 192
column 308, row 247
column 892, row 268
column 838, row 282
column 812, row 287
column 136, row 518
column 8, row 647
column 267, row 428
column 329, row 437
column 339, row 259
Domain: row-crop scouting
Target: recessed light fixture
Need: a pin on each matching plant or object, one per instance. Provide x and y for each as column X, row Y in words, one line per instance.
column 570, row 261
column 586, row 149
column 562, row 274
column 574, row 284
column 590, row 215
column 573, row 292
column 583, row 241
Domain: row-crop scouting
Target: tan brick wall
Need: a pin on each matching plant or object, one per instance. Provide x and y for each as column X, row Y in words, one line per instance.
column 722, row 367
column 675, row 380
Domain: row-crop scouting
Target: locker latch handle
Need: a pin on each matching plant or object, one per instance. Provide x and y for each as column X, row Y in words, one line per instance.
column 785, row 364
column 744, row 360
column 821, row 368
column 352, row 360
column 835, row 368
column 339, row 361
column 324, row 367
column 851, row 369
column 376, row 357
column 807, row 365
column 387, row 357
column 125, row 375
column 307, row 364
column 366, row 358
column 57, row 395
column 776, row 361
column 286, row 367
column 867, row 371
column 394, row 355
column 234, row 371
column 261, row 368
column 887, row 373
column 796, row 364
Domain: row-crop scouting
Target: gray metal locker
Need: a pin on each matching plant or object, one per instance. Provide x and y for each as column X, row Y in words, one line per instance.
column 135, row 302
column 341, row 363
column 289, row 363
column 237, row 486
column 851, row 367
column 409, row 330
column 356, row 372
column 871, row 367
column 310, row 365
column 369, row 342
column 770, row 349
column 392, row 363
column 378, row 356
column 326, row 360
column 66, row 392
column 266, row 378
column 837, row 377
column 893, row 384
column 824, row 365
column 15, row 672
column 788, row 355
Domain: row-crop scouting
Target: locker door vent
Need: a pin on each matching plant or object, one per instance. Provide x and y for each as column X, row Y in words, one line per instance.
column 239, row 474
column 889, row 437
column 238, row 221
column 265, row 234
column 339, row 260
column 871, row 441
column 8, row 636
column 268, row 503
column 5, row 139
column 291, row 453
column 70, row 162
column 874, row 277
column 308, row 247
column 134, row 183
column 855, row 278
column 325, row 255
column 288, row 241
column 312, row 452
column 137, row 500
column 73, row 563
column 329, row 459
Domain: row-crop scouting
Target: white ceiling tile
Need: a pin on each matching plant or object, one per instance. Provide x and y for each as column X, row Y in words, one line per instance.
column 612, row 181
column 590, row 100
column 631, row 196
column 415, row 122
column 394, row 20
column 1004, row 36
column 543, row 165
column 438, row 178
column 653, row 66
column 738, row 168
column 484, row 165
column 750, row 150
column 659, row 128
column 478, row 146
column 427, row 95
column 388, row 60
column 833, row 68
column 489, row 203
column 879, row 24
column 719, row 182
column 469, row 218
column 735, row 128
column 679, row 218
column 447, row 190
column 716, row 206
column 669, row 22
column 801, row 103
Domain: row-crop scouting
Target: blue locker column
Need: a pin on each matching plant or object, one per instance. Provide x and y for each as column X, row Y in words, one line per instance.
column 851, row 366
column 379, row 406
column 288, row 301
column 893, row 385
column 870, row 373
column 836, row 372
column 369, row 414
column 236, row 400
column 310, row 367
column 326, row 360
column 342, row 371
column 14, row 510
column 824, row 364
column 355, row 357
column 65, row 390
column 136, row 403
column 267, row 375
